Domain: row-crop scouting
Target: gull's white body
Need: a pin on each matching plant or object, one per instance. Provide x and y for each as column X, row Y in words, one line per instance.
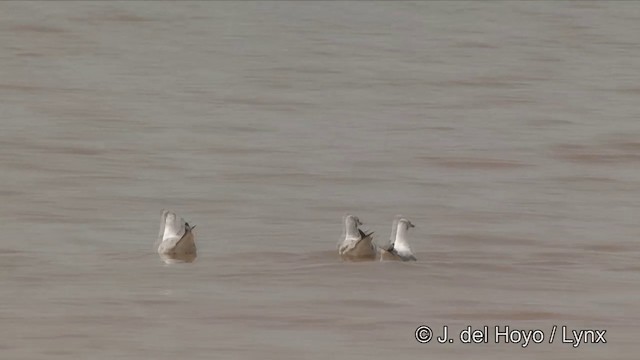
column 399, row 248
column 175, row 241
column 356, row 245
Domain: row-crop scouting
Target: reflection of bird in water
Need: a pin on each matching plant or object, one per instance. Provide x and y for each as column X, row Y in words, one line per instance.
column 175, row 240
column 356, row 245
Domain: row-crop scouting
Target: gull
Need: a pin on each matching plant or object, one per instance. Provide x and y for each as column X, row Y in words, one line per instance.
column 356, row 245
column 399, row 248
column 175, row 241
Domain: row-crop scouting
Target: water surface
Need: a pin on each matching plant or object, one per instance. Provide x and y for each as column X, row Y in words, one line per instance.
column 508, row 132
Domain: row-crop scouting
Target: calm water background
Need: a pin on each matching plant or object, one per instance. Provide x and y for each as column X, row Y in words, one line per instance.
column 508, row 132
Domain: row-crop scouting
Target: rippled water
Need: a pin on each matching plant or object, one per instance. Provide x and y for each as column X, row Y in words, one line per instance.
column 508, row 132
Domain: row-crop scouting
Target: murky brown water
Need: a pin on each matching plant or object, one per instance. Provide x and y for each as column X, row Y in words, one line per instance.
column 508, row 132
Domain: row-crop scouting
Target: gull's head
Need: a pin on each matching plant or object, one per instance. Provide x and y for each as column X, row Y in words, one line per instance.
column 171, row 217
column 406, row 224
column 352, row 219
